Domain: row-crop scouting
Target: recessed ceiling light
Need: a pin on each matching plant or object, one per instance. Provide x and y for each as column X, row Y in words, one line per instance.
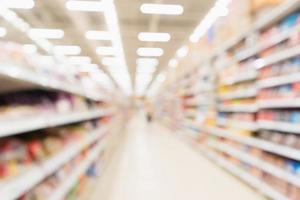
column 2, row 32
column 105, row 51
column 17, row 4
column 154, row 37
column 29, row 48
column 182, row 52
column 147, row 62
column 98, row 35
column 151, row 52
column 162, row 9
column 109, row 61
column 173, row 63
column 47, row 33
column 67, row 50
column 89, row 6
column 79, row 60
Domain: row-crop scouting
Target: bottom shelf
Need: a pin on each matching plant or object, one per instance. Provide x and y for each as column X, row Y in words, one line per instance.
column 243, row 175
column 251, row 180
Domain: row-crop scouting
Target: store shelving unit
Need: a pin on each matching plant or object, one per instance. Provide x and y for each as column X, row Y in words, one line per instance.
column 64, row 188
column 18, row 126
column 16, row 187
column 241, row 98
column 36, row 103
column 16, row 74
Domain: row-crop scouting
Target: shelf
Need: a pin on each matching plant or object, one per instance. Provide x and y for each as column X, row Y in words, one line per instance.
column 245, row 176
column 279, row 103
column 276, row 57
column 269, row 18
column 16, row 187
column 255, row 142
column 21, row 74
column 249, row 52
column 32, row 123
column 258, row 163
column 243, row 125
column 242, row 94
column 239, row 108
column 279, row 80
column 279, row 126
column 64, row 188
column 242, row 77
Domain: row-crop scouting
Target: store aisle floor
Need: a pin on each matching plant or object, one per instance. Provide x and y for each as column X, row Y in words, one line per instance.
column 152, row 164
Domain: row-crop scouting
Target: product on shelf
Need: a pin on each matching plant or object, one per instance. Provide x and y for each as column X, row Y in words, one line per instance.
column 18, row 105
column 18, row 153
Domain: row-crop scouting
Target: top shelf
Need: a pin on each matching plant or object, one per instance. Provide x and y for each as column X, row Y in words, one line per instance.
column 23, row 78
column 271, row 17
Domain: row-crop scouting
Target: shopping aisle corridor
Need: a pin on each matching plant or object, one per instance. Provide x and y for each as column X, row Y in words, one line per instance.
column 152, row 164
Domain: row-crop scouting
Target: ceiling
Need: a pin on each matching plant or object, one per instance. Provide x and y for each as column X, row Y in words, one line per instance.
column 54, row 14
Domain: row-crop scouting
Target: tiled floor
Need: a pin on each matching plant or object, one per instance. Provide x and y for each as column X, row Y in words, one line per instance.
column 152, row 164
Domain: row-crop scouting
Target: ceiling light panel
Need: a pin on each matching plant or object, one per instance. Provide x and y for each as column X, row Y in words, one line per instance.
column 67, row 50
column 105, row 51
column 154, row 37
column 162, row 9
column 147, row 62
column 150, row 52
column 122, row 77
column 98, row 35
column 17, row 4
column 146, row 69
column 46, row 33
column 88, row 6
column 2, row 32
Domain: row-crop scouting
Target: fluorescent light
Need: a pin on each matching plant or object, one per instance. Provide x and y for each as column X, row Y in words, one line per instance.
column 46, row 33
column 109, row 61
column 89, row 6
column 145, row 69
column 154, row 37
column 67, row 50
column 154, row 52
column 29, row 48
column 79, row 60
column 219, row 10
column 182, row 52
column 162, row 9
column 147, row 62
column 122, row 77
column 98, row 35
column 173, row 63
column 2, row 32
column 105, row 51
column 17, row 4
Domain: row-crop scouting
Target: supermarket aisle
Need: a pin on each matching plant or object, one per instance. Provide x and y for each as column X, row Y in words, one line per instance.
column 154, row 165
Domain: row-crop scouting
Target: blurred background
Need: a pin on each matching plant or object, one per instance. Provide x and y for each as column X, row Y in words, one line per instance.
column 149, row 99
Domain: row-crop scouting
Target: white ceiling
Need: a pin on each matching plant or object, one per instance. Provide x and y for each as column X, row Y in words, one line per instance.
column 53, row 14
